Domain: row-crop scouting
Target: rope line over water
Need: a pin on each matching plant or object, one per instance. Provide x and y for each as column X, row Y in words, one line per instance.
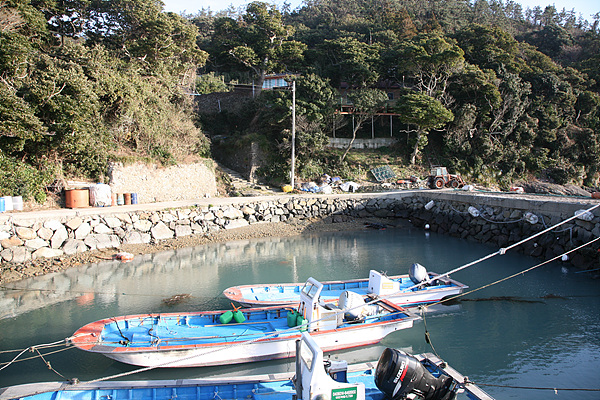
column 555, row 390
column 501, row 251
column 513, row 275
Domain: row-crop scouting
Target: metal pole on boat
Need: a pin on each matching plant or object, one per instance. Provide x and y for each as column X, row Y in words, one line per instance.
column 298, row 382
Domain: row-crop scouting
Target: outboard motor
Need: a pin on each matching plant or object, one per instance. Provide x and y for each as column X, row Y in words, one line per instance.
column 351, row 303
column 354, row 306
column 418, row 273
column 399, row 374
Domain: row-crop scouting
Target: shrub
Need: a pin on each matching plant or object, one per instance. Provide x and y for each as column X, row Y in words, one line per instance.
column 20, row 179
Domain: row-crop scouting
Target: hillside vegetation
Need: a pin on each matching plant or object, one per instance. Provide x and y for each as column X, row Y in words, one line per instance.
column 493, row 91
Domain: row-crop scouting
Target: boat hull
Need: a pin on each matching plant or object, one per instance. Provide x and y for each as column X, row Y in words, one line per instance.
column 258, row 387
column 263, row 350
column 199, row 340
column 288, row 293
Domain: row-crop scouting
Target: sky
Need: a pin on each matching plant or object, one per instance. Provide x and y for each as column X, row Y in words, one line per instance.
column 586, row 7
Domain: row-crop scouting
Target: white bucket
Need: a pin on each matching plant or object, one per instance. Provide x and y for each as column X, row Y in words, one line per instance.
column 8, row 204
column 17, row 203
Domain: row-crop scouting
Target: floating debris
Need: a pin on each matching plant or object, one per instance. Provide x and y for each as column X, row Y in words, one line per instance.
column 176, row 299
column 375, row 225
column 504, row 298
column 554, row 296
column 124, row 256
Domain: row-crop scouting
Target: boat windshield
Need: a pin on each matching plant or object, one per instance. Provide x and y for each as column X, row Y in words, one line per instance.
column 306, row 353
column 310, row 289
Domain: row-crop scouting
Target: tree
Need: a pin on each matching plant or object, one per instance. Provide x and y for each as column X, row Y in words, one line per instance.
column 136, row 29
column 349, row 60
column 259, row 41
column 425, row 113
column 365, row 104
column 430, row 60
column 490, row 48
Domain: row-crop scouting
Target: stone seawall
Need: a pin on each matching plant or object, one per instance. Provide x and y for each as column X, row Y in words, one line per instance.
column 495, row 219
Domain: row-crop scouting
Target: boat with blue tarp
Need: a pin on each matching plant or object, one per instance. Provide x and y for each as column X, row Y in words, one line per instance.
column 208, row 338
column 397, row 375
column 417, row 287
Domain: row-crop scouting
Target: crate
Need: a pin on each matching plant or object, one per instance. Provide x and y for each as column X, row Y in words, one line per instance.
column 383, row 174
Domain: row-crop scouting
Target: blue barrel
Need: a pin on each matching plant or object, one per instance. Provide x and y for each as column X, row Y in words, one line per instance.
column 2, row 205
column 134, row 199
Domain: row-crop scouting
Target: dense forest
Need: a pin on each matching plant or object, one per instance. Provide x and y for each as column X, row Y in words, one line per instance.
column 493, row 91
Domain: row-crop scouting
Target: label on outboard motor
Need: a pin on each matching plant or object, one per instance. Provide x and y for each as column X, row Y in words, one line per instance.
column 348, row 393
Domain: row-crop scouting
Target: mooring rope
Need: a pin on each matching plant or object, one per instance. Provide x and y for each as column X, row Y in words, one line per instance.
column 501, row 251
column 32, row 349
column 554, row 389
column 511, row 276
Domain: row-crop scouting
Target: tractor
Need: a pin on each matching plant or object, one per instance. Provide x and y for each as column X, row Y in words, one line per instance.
column 440, row 178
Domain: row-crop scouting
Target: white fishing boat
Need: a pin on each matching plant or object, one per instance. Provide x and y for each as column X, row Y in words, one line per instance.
column 207, row 338
column 415, row 288
column 397, row 375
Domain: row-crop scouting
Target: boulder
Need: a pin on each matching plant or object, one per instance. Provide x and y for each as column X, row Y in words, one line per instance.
column 160, row 231
column 59, row 237
column 46, row 252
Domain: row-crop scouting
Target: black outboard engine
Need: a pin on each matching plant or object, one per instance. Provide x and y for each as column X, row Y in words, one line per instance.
column 399, row 374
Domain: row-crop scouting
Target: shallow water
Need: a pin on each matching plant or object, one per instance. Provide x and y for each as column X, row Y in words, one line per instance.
column 510, row 334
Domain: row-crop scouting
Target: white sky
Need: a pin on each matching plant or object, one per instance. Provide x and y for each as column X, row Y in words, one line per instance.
column 585, row 7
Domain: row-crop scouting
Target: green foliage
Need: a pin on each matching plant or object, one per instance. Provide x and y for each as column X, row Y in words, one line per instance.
column 259, row 41
column 20, row 179
column 425, row 113
column 489, row 48
column 349, row 60
column 487, row 88
column 105, row 84
column 210, row 83
column 431, row 59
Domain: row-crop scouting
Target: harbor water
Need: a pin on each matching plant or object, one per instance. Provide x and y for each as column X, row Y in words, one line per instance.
column 520, row 339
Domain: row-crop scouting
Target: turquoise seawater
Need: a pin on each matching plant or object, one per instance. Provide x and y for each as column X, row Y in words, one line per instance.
column 540, row 329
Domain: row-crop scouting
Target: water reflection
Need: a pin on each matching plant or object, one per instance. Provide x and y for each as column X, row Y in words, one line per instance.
column 197, row 270
column 498, row 341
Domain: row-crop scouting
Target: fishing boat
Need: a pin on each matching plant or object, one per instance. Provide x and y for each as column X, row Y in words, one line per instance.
column 208, row 338
column 397, row 375
column 416, row 287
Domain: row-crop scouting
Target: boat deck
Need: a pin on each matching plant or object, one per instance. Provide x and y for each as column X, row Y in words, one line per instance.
column 189, row 330
column 290, row 293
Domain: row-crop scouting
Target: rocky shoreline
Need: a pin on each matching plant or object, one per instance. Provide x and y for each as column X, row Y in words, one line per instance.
column 10, row 272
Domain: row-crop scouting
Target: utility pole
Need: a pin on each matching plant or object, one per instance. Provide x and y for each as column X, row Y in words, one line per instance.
column 293, row 131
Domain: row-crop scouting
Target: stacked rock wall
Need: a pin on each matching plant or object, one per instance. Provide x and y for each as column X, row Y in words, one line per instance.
column 499, row 221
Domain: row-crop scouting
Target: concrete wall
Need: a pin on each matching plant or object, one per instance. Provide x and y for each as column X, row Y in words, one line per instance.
column 499, row 220
column 153, row 183
column 341, row 143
